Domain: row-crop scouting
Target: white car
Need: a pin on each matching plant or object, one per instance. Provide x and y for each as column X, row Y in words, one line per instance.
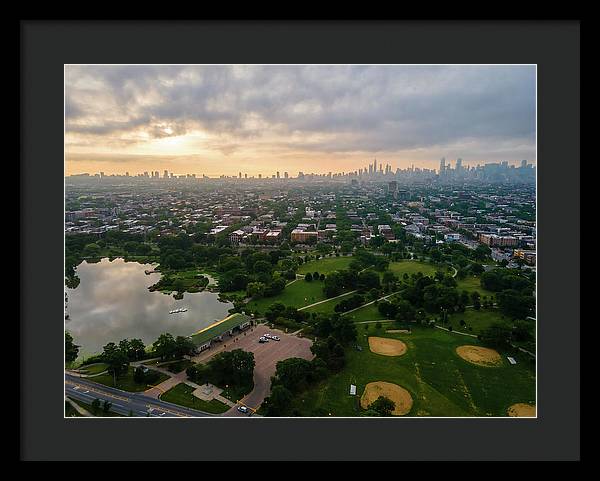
column 262, row 339
column 267, row 335
column 275, row 338
column 242, row 409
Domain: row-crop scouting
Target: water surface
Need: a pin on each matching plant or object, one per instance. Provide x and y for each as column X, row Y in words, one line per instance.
column 112, row 302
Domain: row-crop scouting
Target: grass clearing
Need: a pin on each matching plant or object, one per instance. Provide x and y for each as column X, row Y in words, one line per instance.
column 412, row 267
column 126, row 382
column 299, row 294
column 473, row 284
column 95, row 368
column 181, row 394
column 326, row 265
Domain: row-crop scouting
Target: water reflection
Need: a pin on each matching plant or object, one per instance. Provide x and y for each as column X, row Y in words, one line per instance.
column 112, row 302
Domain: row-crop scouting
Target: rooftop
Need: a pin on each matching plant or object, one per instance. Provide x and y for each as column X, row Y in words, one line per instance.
column 220, row 327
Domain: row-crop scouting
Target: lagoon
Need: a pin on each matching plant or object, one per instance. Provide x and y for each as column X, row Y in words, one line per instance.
column 112, row 302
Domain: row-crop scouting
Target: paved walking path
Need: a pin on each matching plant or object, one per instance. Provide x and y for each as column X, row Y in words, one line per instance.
column 372, row 302
column 455, row 332
column 327, row 300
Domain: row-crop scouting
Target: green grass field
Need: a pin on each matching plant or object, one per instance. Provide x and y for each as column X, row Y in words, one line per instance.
column 126, row 383
column 412, row 267
column 95, row 368
column 477, row 320
column 298, row 294
column 440, row 382
column 472, row 284
column 182, row 395
column 326, row 265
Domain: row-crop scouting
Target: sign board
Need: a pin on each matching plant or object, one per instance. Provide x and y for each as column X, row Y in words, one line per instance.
column 352, row 390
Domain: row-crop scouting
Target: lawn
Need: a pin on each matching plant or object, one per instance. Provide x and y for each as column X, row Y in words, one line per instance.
column 326, row 265
column 477, row 320
column 327, row 307
column 472, row 284
column 126, row 383
column 95, row 368
column 440, row 382
column 298, row 294
column 178, row 366
column 182, row 394
column 412, row 267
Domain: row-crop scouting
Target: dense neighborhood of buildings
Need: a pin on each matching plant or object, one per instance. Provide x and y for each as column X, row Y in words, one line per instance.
column 492, row 204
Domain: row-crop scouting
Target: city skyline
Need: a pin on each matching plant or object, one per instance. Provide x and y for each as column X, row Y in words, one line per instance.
column 220, row 120
column 371, row 169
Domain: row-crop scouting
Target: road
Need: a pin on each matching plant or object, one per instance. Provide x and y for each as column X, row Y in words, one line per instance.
column 124, row 402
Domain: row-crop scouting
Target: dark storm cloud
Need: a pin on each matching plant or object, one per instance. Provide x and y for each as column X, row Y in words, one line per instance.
column 347, row 108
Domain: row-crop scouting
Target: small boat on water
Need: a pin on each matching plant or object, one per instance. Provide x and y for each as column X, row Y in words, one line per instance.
column 176, row 311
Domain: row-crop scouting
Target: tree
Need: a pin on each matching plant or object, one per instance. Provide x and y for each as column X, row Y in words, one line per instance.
column 95, row 405
column 71, row 349
column 184, row 346
column 308, row 277
column 278, row 402
column 404, row 311
column 255, row 290
column 106, row 406
column 475, row 297
column 137, row 349
column 293, row 373
column 164, row 346
column 496, row 334
column 116, row 358
column 383, row 406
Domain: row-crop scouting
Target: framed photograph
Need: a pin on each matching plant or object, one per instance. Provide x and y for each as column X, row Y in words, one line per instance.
column 314, row 243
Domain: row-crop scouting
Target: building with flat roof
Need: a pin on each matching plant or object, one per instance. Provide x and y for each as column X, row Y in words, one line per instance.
column 205, row 337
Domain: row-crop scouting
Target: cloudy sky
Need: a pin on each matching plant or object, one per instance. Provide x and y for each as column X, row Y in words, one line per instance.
column 216, row 120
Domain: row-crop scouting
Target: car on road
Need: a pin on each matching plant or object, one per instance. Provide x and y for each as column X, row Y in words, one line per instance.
column 242, row 409
column 262, row 339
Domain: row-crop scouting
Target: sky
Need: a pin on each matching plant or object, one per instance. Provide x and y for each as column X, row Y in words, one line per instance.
column 259, row 119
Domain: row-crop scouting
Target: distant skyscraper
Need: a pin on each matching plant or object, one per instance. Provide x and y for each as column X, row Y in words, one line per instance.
column 126, row 174
column 375, row 166
column 285, row 175
column 278, row 174
column 458, row 164
column 240, row 175
column 245, row 176
column 442, row 165
column 260, row 176
column 523, row 164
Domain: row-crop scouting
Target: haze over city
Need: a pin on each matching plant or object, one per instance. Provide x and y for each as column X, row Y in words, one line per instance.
column 222, row 120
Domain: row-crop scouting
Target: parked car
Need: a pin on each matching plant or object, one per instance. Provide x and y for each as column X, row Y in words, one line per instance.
column 242, row 409
column 275, row 338
column 267, row 335
column 262, row 339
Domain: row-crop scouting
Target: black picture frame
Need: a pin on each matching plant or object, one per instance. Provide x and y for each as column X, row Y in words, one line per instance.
column 47, row 45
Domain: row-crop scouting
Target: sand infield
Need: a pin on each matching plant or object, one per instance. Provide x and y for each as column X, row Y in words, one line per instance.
column 522, row 410
column 386, row 347
column 482, row 356
column 401, row 397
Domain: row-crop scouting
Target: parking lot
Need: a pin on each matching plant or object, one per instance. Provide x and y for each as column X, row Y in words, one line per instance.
column 266, row 356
